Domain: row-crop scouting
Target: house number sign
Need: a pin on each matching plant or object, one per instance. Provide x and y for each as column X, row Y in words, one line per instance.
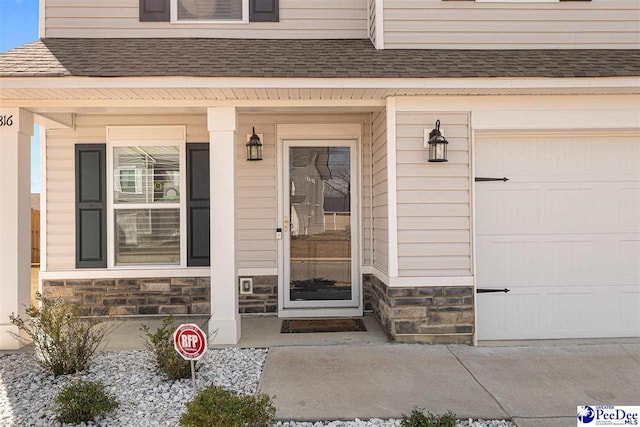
column 6, row 121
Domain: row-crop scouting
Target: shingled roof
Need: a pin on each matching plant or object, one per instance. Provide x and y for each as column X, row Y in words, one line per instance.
column 299, row 58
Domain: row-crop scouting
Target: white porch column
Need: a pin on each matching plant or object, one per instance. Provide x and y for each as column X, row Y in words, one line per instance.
column 16, row 129
column 222, row 122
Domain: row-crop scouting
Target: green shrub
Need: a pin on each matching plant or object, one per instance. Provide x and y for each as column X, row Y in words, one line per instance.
column 168, row 360
column 81, row 401
column 419, row 419
column 215, row 406
column 65, row 342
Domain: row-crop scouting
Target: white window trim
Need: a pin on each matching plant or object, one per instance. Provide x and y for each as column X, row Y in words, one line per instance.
column 175, row 20
column 155, row 138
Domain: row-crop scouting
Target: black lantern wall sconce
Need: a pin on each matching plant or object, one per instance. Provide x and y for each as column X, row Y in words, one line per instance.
column 437, row 145
column 254, row 147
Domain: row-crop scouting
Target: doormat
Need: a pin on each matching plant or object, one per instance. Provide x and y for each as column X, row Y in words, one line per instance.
column 305, row 326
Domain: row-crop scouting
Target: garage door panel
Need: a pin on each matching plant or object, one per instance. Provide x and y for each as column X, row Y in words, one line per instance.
column 542, row 208
column 503, row 262
column 624, row 157
column 567, row 260
column 559, row 312
column 566, row 158
column 629, row 208
column 628, row 309
column 563, row 210
column 563, row 262
column 563, row 234
column 502, row 313
column 508, row 210
column 629, row 256
column 566, row 312
column 500, row 158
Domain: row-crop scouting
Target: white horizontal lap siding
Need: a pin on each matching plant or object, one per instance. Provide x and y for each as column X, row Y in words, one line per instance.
column 61, row 172
column 434, row 218
column 379, row 188
column 438, row 24
column 120, row 18
column 256, row 190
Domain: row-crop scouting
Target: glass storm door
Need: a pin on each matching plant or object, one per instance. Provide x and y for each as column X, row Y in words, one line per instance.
column 320, row 217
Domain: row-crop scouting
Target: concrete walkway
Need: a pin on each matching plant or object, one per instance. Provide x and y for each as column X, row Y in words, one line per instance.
column 534, row 385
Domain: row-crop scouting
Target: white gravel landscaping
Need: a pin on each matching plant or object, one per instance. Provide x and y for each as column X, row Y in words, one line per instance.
column 145, row 397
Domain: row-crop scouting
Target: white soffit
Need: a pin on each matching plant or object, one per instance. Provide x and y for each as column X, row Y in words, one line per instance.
column 204, row 90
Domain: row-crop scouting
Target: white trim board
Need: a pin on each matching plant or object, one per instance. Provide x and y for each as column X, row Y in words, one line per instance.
column 566, row 119
column 379, row 24
column 374, row 271
column 493, row 104
column 42, row 9
column 311, row 83
column 428, row 281
column 88, row 273
column 419, row 282
column 474, row 248
column 43, row 199
column 392, row 196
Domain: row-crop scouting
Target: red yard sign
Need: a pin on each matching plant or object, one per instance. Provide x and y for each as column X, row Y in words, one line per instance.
column 190, row 341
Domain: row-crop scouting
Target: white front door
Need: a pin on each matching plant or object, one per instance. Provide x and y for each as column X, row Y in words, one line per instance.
column 320, row 238
column 563, row 234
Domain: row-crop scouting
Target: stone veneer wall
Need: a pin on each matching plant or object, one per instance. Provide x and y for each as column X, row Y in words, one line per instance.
column 125, row 297
column 433, row 315
column 264, row 298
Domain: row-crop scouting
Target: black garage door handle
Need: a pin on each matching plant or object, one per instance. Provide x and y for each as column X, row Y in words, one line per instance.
column 491, row 291
column 503, row 179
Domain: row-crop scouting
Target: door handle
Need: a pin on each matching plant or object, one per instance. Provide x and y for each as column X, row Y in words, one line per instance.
column 286, row 224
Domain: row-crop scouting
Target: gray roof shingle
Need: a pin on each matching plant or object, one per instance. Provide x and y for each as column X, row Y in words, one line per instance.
column 299, row 58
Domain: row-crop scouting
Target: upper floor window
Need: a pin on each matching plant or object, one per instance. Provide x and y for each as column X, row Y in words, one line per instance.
column 210, row 11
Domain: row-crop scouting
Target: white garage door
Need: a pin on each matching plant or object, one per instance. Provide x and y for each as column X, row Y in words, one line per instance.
column 563, row 234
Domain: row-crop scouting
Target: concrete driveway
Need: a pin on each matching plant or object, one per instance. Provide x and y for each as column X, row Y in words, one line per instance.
column 534, row 385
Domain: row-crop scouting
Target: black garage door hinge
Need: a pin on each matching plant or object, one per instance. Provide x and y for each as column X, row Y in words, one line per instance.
column 503, row 179
column 491, row 291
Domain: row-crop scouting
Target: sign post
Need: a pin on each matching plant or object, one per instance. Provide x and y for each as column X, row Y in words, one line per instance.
column 191, row 343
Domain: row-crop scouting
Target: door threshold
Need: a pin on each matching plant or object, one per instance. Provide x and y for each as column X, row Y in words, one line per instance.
column 289, row 313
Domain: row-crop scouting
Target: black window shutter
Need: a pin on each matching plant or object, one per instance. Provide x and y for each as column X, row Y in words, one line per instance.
column 155, row 11
column 198, row 226
column 91, row 206
column 264, row 11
